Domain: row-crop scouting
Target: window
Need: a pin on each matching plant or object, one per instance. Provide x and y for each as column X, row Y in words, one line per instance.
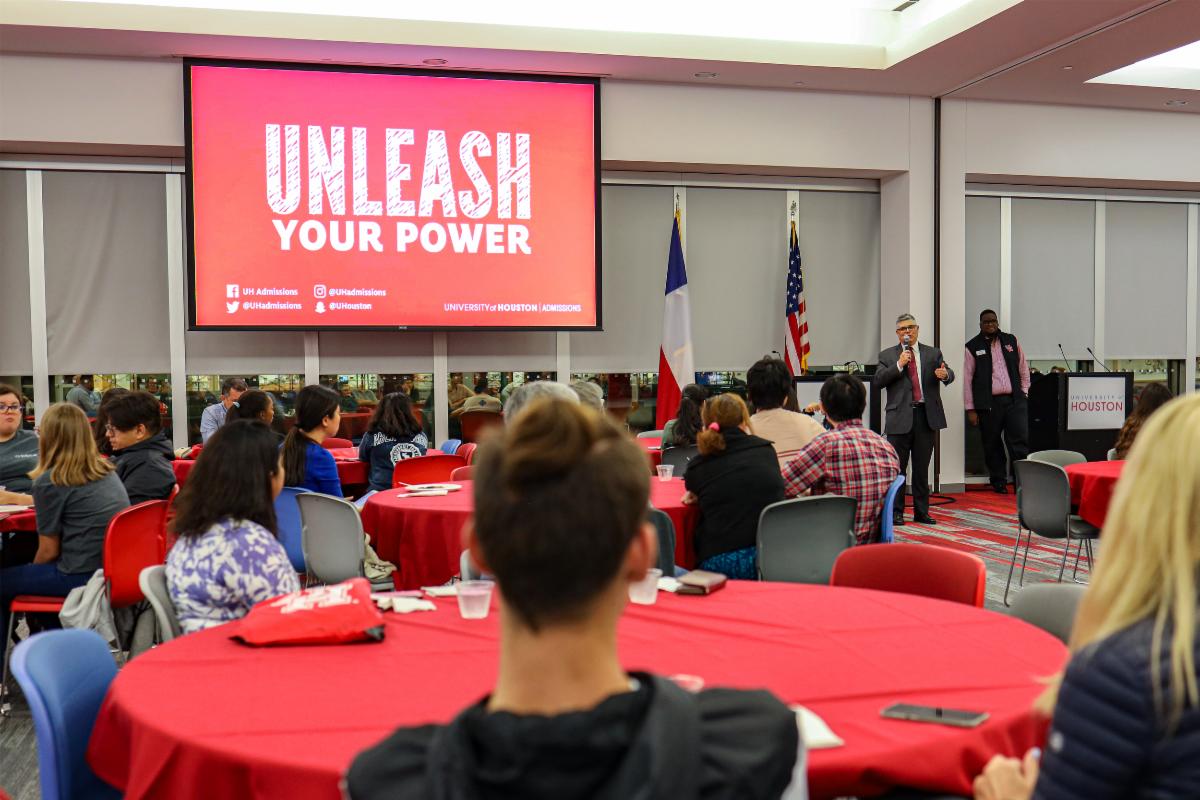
column 361, row 393
column 630, row 397
column 1151, row 370
column 205, row 390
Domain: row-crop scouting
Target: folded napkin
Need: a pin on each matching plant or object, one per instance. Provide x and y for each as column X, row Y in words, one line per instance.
column 814, row 731
column 449, row 590
column 403, row 605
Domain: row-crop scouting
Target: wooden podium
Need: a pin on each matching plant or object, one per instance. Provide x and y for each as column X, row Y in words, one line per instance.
column 1081, row 411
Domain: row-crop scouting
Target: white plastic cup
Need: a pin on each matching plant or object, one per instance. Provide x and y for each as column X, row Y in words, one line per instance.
column 665, row 471
column 645, row 591
column 474, row 599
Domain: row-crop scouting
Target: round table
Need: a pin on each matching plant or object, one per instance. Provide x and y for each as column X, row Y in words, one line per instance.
column 203, row 716
column 351, row 471
column 1092, row 487
column 652, row 445
column 25, row 521
column 423, row 535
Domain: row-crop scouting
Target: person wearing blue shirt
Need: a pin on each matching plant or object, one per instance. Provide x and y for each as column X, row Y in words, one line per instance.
column 213, row 417
column 306, row 463
column 393, row 435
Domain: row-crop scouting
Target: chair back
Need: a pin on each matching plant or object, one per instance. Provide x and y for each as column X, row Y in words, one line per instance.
column 433, row 467
column 887, row 530
column 467, row 450
column 650, row 434
column 921, row 569
column 291, row 527
column 181, row 467
column 467, row 570
column 65, row 675
column 665, row 529
column 1043, row 498
column 1062, row 458
column 1112, row 454
column 136, row 539
column 679, row 457
column 798, row 540
column 1050, row 606
column 474, row 423
column 332, row 537
column 450, row 446
column 462, row 473
column 334, row 443
column 153, row 581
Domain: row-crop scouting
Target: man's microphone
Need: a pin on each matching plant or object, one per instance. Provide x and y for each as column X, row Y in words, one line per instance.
column 1098, row 361
column 1064, row 355
column 908, row 342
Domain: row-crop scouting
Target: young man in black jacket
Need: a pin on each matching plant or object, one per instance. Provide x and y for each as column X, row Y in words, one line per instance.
column 560, row 507
column 142, row 453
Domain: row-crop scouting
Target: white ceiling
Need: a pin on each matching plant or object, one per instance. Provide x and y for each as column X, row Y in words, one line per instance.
column 1025, row 50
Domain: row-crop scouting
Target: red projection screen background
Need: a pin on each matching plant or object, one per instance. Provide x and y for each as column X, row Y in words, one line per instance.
column 356, row 198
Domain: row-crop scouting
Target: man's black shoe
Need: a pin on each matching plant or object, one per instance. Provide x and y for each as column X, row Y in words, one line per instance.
column 924, row 519
column 999, row 488
column 898, row 520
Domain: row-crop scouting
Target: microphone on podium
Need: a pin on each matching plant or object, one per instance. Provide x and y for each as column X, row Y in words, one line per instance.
column 1064, row 355
column 1098, row 361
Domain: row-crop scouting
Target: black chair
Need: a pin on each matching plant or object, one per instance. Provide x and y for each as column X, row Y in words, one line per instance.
column 679, row 458
column 798, row 540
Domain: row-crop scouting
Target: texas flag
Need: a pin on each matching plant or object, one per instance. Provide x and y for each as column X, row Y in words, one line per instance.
column 676, row 367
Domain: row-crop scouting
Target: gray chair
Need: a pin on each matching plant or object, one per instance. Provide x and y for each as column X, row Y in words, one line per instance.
column 665, row 529
column 333, row 540
column 1060, row 458
column 798, row 540
column 1044, row 508
column 1112, row 454
column 467, row 570
column 679, row 457
column 1050, row 606
column 153, row 583
column 650, row 435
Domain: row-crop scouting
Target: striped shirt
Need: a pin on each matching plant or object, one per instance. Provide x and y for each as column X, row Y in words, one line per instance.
column 851, row 461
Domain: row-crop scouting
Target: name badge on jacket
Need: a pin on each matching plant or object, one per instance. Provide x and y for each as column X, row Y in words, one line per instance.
column 980, row 352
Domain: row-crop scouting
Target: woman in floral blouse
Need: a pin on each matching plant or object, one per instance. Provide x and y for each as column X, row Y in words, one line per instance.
column 227, row 558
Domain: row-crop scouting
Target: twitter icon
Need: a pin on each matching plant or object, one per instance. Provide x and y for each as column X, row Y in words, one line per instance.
column 232, row 306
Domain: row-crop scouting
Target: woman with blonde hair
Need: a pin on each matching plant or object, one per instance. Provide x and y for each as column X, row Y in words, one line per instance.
column 75, row 493
column 1126, row 711
column 733, row 479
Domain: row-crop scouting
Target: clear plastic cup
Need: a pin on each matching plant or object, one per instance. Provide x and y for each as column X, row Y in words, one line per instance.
column 474, row 599
column 645, row 591
column 665, row 471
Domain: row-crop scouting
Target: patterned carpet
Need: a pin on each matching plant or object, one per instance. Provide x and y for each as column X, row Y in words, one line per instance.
column 984, row 523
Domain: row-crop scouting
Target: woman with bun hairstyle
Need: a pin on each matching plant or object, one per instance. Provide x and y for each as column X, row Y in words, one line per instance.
column 733, row 479
column 681, row 431
column 256, row 406
column 306, row 463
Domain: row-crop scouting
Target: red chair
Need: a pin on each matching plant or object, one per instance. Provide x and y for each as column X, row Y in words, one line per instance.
column 333, row 443
column 431, row 468
column 474, row 423
column 920, row 569
column 181, row 467
column 467, row 451
column 462, row 473
column 136, row 538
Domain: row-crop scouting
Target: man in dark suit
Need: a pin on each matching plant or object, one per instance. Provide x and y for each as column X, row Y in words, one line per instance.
column 913, row 375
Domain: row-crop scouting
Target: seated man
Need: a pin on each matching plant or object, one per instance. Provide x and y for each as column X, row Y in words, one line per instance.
column 565, row 720
column 213, row 417
column 849, row 460
column 482, row 400
column 767, row 384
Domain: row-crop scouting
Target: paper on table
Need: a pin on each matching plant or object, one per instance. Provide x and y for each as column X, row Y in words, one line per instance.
column 441, row 591
column 14, row 509
column 404, row 605
column 816, row 734
column 668, row 585
column 425, row 493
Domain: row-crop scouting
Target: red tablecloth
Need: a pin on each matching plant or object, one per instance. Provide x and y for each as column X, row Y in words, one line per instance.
column 19, row 521
column 1092, row 487
column 203, row 717
column 423, row 535
column 653, row 447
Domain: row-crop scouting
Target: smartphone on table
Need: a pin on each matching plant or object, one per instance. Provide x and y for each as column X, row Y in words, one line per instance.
column 955, row 717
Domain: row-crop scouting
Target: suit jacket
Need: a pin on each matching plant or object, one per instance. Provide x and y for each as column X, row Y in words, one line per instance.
column 898, row 416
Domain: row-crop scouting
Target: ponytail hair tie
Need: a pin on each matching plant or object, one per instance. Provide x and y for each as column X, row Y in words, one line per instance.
column 712, row 426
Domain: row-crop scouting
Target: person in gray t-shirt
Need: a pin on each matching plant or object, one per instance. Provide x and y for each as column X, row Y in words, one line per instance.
column 78, row 516
column 81, row 395
column 18, row 450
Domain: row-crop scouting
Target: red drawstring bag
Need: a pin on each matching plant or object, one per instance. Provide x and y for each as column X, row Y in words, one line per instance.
column 343, row 612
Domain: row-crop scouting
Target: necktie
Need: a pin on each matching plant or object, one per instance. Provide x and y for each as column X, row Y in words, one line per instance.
column 912, row 376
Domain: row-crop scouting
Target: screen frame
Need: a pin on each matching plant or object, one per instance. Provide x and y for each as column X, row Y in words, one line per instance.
column 189, row 205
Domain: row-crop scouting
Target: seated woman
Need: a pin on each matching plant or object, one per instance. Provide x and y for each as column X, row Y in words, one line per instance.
column 560, row 499
column 255, row 405
column 18, row 450
column 681, row 431
column 1152, row 398
column 1126, row 711
column 733, row 479
column 141, row 451
column 227, row 557
column 100, row 426
column 76, row 493
column 305, row 462
column 393, row 435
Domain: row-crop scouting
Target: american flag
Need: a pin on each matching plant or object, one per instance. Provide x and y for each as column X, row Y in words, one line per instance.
column 796, row 348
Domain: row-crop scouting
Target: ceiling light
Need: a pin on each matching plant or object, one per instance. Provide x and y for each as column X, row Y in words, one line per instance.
column 1068, row 66
column 435, row 62
column 1176, row 103
column 1174, row 69
column 706, row 74
column 798, row 83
